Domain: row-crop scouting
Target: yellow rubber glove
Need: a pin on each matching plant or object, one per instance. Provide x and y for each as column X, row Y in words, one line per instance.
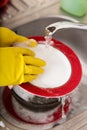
column 8, row 37
column 18, row 65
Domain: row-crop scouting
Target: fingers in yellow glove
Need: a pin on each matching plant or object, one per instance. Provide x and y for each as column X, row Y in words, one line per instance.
column 28, row 42
column 29, row 78
column 9, row 37
column 34, row 61
column 14, row 68
column 33, row 69
column 24, row 52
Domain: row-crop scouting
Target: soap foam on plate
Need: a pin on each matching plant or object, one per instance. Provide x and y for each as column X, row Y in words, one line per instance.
column 57, row 70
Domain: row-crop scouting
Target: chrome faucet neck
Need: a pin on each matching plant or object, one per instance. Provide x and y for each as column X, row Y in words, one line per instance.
column 52, row 28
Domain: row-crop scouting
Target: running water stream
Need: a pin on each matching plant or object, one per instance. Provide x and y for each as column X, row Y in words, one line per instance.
column 48, row 42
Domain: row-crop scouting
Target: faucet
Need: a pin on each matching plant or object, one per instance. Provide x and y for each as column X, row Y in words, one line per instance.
column 52, row 28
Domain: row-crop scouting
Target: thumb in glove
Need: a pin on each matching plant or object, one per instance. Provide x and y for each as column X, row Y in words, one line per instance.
column 8, row 37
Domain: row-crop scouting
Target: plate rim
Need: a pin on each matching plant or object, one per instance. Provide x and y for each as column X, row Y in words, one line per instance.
column 73, row 81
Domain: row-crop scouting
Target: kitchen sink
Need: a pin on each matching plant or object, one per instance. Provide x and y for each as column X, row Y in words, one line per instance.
column 76, row 39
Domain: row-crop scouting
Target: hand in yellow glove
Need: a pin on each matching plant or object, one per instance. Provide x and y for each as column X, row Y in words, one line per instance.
column 17, row 64
column 8, row 38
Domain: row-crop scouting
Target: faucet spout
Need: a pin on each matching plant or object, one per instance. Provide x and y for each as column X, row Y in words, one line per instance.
column 52, row 28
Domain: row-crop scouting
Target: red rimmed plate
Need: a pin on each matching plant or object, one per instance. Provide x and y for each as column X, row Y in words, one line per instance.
column 70, row 85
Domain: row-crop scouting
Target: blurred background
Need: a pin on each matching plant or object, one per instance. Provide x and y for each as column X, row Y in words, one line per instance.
column 18, row 12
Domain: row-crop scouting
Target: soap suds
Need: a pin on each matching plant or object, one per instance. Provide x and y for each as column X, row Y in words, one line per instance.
column 57, row 70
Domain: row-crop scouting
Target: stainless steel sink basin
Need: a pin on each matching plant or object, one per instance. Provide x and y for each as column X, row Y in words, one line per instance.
column 74, row 38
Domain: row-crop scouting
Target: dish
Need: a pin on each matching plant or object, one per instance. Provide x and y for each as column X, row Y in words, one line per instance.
column 70, row 85
column 57, row 70
column 13, row 108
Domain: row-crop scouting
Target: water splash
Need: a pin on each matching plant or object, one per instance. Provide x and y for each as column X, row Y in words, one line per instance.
column 48, row 40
